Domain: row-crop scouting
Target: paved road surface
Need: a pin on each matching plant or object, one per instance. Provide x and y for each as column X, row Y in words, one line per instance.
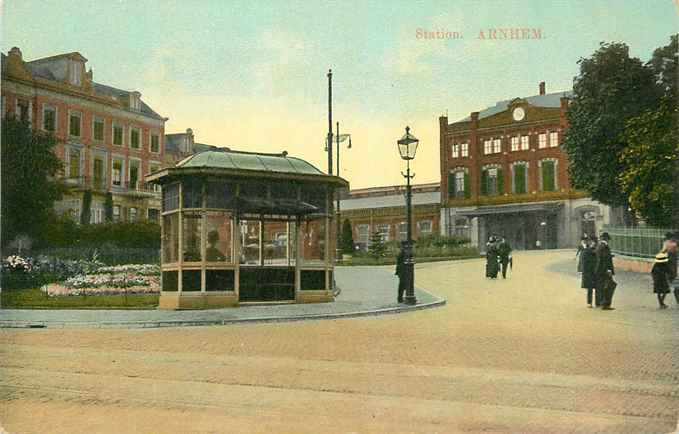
column 516, row 356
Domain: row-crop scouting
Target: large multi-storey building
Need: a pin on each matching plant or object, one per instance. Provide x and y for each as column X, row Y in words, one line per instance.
column 503, row 172
column 108, row 138
column 382, row 210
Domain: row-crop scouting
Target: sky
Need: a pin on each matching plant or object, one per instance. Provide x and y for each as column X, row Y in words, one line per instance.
column 251, row 75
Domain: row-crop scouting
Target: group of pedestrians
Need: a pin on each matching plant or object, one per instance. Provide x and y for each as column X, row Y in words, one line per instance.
column 595, row 262
column 498, row 257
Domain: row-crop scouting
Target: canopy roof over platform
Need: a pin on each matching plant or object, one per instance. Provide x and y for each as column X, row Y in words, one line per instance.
column 227, row 162
column 544, row 207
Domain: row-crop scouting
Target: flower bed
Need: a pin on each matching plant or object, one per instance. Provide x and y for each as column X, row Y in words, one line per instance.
column 105, row 285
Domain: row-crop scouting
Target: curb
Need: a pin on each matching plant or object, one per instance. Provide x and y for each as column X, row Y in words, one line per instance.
column 215, row 322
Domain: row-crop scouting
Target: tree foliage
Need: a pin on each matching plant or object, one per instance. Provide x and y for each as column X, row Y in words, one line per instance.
column 347, row 238
column 610, row 89
column 29, row 189
column 651, row 159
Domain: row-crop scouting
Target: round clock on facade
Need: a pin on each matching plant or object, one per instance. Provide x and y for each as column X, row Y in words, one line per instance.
column 518, row 114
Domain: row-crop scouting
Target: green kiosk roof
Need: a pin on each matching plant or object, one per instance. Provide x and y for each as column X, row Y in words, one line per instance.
column 238, row 163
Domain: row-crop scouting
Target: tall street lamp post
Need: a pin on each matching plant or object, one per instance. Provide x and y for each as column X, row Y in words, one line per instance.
column 407, row 147
column 338, row 249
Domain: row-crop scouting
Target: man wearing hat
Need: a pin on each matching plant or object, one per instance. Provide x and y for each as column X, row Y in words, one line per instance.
column 604, row 272
column 661, row 277
column 670, row 247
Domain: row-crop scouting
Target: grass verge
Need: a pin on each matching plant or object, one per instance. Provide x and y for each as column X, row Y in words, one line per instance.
column 36, row 299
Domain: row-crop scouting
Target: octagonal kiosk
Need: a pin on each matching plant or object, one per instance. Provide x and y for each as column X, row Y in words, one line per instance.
column 241, row 227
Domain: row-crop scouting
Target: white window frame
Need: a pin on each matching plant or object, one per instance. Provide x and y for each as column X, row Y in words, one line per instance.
column 428, row 231
column 155, row 187
column 487, row 146
column 515, row 143
column 464, row 150
column 81, row 155
column 151, row 134
column 140, row 175
column 79, row 115
column 526, row 164
column 117, row 211
column 384, row 235
column 542, row 140
column 359, row 229
column 139, row 144
column 122, row 171
column 553, row 139
column 525, row 142
column 459, row 176
column 103, row 129
column 133, row 214
column 497, row 146
column 75, row 76
column 113, row 134
column 556, row 173
column 46, row 107
column 455, row 150
column 103, row 156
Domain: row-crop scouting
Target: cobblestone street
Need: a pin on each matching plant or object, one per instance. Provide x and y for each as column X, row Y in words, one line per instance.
column 522, row 355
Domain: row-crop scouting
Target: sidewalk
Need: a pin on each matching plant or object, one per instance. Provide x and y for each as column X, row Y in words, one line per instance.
column 364, row 291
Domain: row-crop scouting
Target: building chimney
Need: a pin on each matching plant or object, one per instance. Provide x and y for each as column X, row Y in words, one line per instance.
column 542, row 88
column 15, row 51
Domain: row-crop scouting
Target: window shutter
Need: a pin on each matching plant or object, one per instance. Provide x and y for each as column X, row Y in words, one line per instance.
column 548, row 176
column 500, row 182
column 484, row 182
column 451, row 185
column 520, row 179
column 467, row 191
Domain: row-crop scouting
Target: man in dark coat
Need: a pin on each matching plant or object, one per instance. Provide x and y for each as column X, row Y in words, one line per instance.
column 604, row 272
column 401, row 273
column 504, row 251
column 492, row 266
column 588, row 268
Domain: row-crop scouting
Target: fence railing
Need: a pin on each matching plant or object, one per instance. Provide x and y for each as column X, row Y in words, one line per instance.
column 637, row 241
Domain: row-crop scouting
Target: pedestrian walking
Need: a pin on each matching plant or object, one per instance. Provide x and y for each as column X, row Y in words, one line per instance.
column 588, row 268
column 670, row 246
column 504, row 251
column 584, row 243
column 492, row 266
column 661, row 278
column 401, row 273
column 604, row 272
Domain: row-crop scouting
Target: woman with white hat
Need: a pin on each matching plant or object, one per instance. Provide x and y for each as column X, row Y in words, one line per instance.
column 661, row 281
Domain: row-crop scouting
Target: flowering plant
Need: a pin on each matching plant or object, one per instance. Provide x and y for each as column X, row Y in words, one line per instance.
column 17, row 263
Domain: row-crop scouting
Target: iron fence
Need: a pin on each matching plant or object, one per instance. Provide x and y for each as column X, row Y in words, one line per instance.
column 641, row 242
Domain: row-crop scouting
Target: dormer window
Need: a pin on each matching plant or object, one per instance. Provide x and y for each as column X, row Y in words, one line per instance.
column 135, row 101
column 76, row 71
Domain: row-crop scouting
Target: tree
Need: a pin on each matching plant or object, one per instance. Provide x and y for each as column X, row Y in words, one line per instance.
column 377, row 248
column 347, row 239
column 108, row 207
column 610, row 89
column 651, row 159
column 85, row 214
column 651, row 177
column 29, row 189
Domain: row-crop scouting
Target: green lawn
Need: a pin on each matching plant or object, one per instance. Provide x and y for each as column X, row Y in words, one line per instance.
column 36, row 299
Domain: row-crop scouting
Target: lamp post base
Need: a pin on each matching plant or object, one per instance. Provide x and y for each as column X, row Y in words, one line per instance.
column 411, row 300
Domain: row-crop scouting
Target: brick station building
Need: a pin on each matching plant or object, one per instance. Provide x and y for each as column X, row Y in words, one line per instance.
column 108, row 138
column 382, row 209
column 504, row 173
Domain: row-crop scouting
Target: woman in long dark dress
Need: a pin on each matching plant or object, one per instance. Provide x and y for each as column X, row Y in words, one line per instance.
column 661, row 278
column 492, row 266
column 588, row 268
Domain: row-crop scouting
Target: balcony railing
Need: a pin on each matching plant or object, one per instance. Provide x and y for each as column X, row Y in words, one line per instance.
column 102, row 185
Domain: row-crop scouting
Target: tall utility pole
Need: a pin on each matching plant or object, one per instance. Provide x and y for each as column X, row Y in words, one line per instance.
column 329, row 141
column 338, row 225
